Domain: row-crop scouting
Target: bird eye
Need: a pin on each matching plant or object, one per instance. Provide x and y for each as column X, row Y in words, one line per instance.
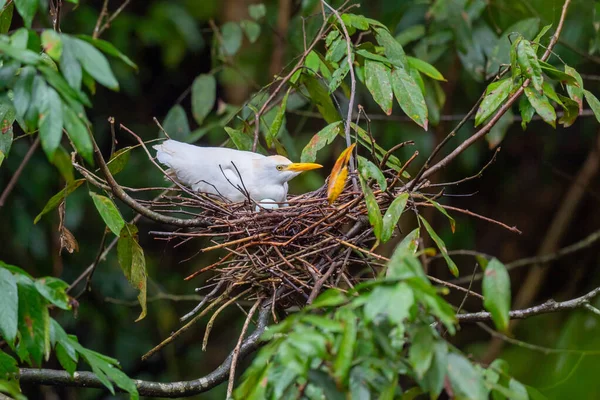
column 279, row 168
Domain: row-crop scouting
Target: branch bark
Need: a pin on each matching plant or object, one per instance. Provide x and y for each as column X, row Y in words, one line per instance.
column 52, row 377
column 549, row 306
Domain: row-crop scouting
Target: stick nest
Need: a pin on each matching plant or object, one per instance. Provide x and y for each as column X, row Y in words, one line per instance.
column 289, row 254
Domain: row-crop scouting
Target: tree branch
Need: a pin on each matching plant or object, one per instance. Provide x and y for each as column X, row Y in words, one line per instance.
column 549, row 306
column 146, row 388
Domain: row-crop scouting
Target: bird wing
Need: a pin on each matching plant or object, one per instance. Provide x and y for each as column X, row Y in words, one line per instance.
column 209, row 169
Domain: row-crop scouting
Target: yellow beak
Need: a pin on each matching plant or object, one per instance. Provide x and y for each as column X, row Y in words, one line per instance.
column 301, row 167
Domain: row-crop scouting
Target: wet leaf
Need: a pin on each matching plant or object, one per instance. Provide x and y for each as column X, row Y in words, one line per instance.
column 58, row 198
column 109, row 213
column 239, row 138
column 393, row 49
column 529, row 64
column 496, row 93
column 392, row 215
column 373, row 211
column 277, row 121
column 324, row 137
column 378, row 81
column 496, row 293
column 425, row 68
column 593, row 102
column 204, row 95
column 371, row 171
column 339, row 173
column 409, row 96
column 176, row 124
column 541, row 105
column 575, row 92
column 133, row 263
column 441, row 245
column 9, row 306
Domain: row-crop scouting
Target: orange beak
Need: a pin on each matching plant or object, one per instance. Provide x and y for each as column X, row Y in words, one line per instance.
column 302, row 167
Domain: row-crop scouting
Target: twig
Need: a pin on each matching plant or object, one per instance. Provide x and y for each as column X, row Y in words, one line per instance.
column 103, row 13
column 15, row 178
column 236, row 350
column 348, row 122
column 112, row 17
column 505, row 107
column 549, row 306
column 30, row 376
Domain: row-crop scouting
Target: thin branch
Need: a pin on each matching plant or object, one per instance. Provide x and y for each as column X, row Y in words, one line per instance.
column 103, row 14
column 51, row 377
column 15, row 178
column 112, row 17
column 549, row 306
column 236, row 350
column 348, row 122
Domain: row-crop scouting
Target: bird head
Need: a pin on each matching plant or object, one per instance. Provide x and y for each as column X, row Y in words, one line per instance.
column 283, row 170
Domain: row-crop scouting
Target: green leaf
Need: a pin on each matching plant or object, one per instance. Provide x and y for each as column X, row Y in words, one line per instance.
column 392, row 215
column 320, row 97
column 8, row 366
column 529, row 64
column 593, row 102
column 54, row 290
column 355, row 21
column 373, row 210
column 536, row 41
column 277, row 121
column 51, row 123
column 435, row 376
column 65, row 359
column 119, row 160
column 131, row 259
column 7, row 119
column 23, row 91
column 410, row 243
column 378, row 81
column 337, row 50
column 409, row 96
column 410, row 34
column 392, row 48
column 239, row 138
column 329, row 298
column 94, row 62
column 527, row 111
column 204, row 95
column 34, row 324
column 495, row 95
column 373, row 57
column 69, row 66
column 109, row 49
column 62, row 162
column 542, row 106
column 443, row 211
column 72, row 96
column 571, row 109
column 52, row 44
column 371, row 171
column 176, row 124
column 345, row 352
column 109, row 213
column 26, row 9
column 496, row 293
column 257, row 11
column 58, row 198
column 324, row 137
column 339, row 74
column 425, row 68
column 78, row 133
column 394, row 302
column 231, row 34
column 466, row 381
column 558, row 75
column 420, row 353
column 6, row 15
column 441, row 245
column 251, row 29
column 22, row 55
column 8, row 306
column 575, row 92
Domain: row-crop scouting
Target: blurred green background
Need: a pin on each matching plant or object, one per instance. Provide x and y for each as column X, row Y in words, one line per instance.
column 172, row 42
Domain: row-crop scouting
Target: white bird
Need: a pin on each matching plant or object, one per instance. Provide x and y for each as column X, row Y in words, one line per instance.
column 230, row 173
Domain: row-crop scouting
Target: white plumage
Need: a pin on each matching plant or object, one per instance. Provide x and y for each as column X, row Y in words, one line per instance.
column 230, row 173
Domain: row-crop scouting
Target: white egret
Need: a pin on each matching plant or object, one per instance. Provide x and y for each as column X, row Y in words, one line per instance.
column 231, row 173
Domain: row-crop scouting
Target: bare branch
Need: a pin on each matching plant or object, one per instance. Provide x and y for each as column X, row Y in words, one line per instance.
column 52, row 377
